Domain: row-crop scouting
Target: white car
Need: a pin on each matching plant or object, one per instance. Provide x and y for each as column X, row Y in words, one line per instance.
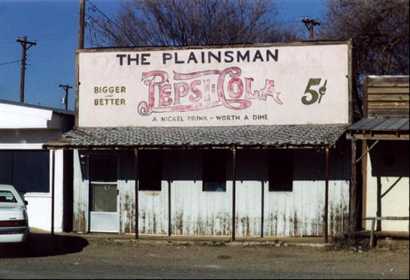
column 13, row 216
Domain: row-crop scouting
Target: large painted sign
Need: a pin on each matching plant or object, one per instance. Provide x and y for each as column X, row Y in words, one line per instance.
column 291, row 84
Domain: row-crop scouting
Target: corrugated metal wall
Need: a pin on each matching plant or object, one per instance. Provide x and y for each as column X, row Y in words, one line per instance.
column 197, row 213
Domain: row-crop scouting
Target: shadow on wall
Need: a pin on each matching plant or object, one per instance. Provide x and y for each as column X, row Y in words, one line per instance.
column 251, row 164
column 390, row 159
column 43, row 245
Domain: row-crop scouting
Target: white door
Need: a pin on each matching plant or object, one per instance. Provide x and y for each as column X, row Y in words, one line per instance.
column 104, row 214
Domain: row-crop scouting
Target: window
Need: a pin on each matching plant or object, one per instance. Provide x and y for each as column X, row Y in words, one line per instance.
column 103, row 168
column 103, row 197
column 214, row 171
column 149, row 171
column 7, row 197
column 27, row 171
column 281, row 171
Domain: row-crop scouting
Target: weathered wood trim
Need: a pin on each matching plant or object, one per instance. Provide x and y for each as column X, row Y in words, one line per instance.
column 379, row 203
column 365, row 98
column 353, row 189
column 326, row 210
column 136, row 193
column 351, row 77
column 196, row 47
column 390, row 136
column 77, row 91
column 364, row 180
column 87, row 163
column 262, row 207
column 233, row 192
column 386, row 96
column 53, row 171
column 398, row 89
column 169, row 209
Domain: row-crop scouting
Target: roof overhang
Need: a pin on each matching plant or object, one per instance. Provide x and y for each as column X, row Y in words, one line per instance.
column 274, row 136
column 380, row 129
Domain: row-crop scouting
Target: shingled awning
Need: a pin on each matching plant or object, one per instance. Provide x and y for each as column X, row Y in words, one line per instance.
column 275, row 135
column 381, row 125
column 381, row 128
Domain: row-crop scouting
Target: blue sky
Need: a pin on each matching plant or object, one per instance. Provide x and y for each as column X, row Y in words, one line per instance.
column 53, row 24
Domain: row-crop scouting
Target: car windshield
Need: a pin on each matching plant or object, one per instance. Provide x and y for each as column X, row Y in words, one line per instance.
column 7, row 196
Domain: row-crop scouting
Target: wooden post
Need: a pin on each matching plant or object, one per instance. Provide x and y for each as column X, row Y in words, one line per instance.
column 169, row 209
column 136, row 194
column 371, row 241
column 233, row 191
column 262, row 208
column 365, row 150
column 326, row 215
column 379, row 204
column 353, row 189
column 82, row 25
column 52, row 189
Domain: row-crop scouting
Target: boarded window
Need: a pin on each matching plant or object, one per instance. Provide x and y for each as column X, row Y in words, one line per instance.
column 214, row 171
column 103, row 167
column 149, row 170
column 281, row 171
column 27, row 171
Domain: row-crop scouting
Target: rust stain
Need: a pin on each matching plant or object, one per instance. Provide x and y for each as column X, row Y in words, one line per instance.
column 79, row 221
column 143, row 218
column 295, row 224
column 179, row 223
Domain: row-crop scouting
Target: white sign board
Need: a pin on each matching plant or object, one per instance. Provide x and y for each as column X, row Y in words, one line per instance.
column 291, row 84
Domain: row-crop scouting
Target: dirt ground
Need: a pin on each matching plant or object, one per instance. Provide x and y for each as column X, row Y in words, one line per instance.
column 76, row 256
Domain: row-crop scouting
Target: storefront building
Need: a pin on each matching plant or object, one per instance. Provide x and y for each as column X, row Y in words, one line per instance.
column 235, row 142
column 24, row 129
column 383, row 134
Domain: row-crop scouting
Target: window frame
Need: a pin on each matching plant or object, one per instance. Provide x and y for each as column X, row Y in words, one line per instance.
column 218, row 159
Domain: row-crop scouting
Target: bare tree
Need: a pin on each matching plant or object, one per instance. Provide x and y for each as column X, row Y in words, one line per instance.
column 187, row 22
column 379, row 30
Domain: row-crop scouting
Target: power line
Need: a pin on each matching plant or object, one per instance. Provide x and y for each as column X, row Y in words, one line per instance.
column 10, row 62
column 94, row 8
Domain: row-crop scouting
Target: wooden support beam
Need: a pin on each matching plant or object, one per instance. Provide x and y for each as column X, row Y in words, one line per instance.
column 169, row 209
column 233, row 192
column 52, row 189
column 379, row 204
column 136, row 172
column 262, row 207
column 326, row 214
column 366, row 150
column 364, row 179
column 353, row 189
column 390, row 136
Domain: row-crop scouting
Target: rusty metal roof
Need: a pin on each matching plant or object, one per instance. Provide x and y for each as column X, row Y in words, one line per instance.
column 275, row 135
column 381, row 125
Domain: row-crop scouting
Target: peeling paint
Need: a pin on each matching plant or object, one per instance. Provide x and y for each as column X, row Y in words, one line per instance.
column 194, row 212
column 80, row 221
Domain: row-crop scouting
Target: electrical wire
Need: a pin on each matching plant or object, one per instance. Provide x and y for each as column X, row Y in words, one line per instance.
column 94, row 8
column 9, row 62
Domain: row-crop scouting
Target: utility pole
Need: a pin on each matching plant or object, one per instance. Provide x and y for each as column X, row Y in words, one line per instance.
column 66, row 88
column 310, row 26
column 25, row 45
column 82, row 25
column 80, row 46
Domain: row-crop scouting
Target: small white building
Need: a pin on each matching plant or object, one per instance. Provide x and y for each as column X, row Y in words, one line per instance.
column 383, row 134
column 24, row 129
